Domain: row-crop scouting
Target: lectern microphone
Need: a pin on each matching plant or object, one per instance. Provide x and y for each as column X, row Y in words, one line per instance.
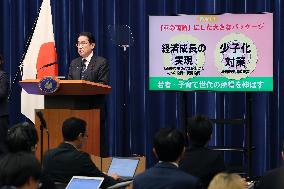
column 42, row 120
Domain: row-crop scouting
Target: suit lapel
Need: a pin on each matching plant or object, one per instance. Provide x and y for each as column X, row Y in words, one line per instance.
column 77, row 72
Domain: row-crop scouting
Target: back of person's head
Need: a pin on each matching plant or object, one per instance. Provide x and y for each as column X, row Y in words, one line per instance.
column 199, row 130
column 72, row 128
column 22, row 137
column 169, row 144
column 89, row 35
column 227, row 180
column 18, row 169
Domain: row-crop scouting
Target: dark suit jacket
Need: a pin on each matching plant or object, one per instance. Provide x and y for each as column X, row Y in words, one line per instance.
column 202, row 163
column 273, row 179
column 97, row 70
column 3, row 93
column 165, row 176
column 65, row 161
column 4, row 111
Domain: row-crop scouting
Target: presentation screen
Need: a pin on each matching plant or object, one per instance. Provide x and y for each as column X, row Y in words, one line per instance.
column 228, row 52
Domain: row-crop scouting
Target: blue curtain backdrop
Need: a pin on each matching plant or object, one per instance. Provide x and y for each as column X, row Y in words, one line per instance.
column 134, row 112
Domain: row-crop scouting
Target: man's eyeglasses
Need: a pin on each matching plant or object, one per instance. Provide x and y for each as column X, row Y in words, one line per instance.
column 83, row 43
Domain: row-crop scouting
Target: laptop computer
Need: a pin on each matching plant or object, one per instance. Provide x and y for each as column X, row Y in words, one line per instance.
column 83, row 182
column 124, row 167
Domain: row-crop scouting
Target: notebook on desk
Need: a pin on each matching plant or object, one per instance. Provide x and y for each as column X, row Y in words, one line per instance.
column 124, row 167
column 83, row 182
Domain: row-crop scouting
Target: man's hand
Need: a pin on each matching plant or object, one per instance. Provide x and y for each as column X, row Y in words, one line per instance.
column 114, row 176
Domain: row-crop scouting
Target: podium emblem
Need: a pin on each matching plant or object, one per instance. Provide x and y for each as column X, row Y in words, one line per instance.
column 48, row 85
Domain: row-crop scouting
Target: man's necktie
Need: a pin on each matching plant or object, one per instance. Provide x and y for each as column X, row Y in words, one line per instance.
column 84, row 68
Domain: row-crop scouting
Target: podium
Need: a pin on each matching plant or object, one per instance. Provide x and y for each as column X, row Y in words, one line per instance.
column 74, row 98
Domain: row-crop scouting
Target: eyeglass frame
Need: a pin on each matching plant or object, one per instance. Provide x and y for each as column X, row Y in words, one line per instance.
column 83, row 43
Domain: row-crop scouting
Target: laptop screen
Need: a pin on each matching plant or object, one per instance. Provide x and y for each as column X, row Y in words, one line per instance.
column 124, row 167
column 85, row 182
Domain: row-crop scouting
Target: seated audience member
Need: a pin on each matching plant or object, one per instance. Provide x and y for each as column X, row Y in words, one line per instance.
column 23, row 137
column 19, row 170
column 273, row 179
column 227, row 181
column 168, row 149
column 198, row 160
column 67, row 160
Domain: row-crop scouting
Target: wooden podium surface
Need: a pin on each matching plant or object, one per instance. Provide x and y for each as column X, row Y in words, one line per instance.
column 67, row 87
column 69, row 101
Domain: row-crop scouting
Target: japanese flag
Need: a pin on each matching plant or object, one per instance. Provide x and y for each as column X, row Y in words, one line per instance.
column 40, row 59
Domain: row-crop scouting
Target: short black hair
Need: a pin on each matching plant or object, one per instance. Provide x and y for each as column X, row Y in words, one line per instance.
column 72, row 127
column 169, row 144
column 17, row 168
column 89, row 35
column 22, row 137
column 199, row 128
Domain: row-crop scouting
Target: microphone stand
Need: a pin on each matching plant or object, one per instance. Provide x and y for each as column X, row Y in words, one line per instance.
column 42, row 126
column 41, row 141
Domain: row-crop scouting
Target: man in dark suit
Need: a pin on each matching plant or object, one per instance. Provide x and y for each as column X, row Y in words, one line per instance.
column 273, row 179
column 198, row 160
column 88, row 66
column 67, row 160
column 168, row 149
column 4, row 112
column 93, row 68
